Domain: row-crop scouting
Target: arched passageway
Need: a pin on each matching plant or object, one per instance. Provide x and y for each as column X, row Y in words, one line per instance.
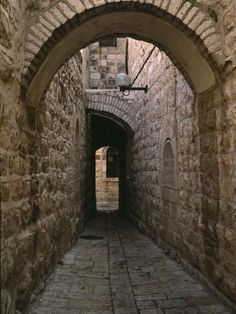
column 187, row 33
column 48, row 138
column 108, row 132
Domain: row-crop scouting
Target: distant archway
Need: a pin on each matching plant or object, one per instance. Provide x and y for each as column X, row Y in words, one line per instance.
column 107, row 178
column 112, row 106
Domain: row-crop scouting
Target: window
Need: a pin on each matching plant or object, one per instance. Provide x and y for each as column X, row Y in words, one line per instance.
column 112, row 163
column 168, row 166
column 108, row 42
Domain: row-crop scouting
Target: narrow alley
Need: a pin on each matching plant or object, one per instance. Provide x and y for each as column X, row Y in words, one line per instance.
column 118, row 156
column 113, row 268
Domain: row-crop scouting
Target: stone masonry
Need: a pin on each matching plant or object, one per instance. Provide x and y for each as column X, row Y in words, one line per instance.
column 14, row 165
column 112, row 103
column 44, row 190
column 186, row 218
column 122, row 271
column 199, row 16
column 184, row 127
column 107, row 189
column 105, row 63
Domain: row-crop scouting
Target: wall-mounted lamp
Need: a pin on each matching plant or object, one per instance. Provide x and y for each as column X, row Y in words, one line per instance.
column 124, row 82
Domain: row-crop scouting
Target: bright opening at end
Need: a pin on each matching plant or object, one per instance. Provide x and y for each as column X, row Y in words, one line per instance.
column 107, row 178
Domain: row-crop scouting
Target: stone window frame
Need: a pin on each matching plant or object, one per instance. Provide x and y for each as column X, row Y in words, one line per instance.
column 165, row 183
column 168, row 134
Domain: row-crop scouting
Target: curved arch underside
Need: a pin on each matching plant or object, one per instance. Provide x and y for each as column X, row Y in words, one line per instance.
column 107, row 131
column 114, row 118
column 188, row 36
column 112, row 106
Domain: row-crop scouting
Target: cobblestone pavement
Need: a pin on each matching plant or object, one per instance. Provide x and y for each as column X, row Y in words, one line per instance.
column 125, row 272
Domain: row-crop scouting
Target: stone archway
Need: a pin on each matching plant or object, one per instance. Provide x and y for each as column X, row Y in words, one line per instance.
column 66, row 26
column 75, row 24
column 112, row 105
column 187, row 33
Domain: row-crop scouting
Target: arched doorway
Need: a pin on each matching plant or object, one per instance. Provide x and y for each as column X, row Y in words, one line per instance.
column 109, row 140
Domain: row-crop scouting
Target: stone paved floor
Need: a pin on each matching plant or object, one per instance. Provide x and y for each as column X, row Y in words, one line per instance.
column 104, row 206
column 125, row 272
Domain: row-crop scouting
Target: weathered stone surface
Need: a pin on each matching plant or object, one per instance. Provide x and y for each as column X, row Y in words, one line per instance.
column 189, row 218
column 113, row 103
column 105, row 63
column 44, row 193
column 107, row 188
column 200, row 17
column 11, row 62
column 42, row 209
column 124, row 272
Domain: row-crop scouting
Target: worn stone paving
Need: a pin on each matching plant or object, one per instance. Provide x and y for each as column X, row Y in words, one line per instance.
column 124, row 272
column 107, row 206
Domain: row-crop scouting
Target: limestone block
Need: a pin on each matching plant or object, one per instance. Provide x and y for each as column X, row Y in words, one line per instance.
column 5, row 139
column 230, row 47
column 3, row 164
column 18, row 165
column 17, row 190
column 7, row 303
column 5, row 191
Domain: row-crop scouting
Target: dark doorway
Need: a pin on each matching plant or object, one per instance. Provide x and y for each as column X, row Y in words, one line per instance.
column 109, row 138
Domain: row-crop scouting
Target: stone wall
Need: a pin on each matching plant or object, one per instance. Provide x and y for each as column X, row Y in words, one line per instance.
column 45, row 186
column 60, row 180
column 195, row 216
column 191, row 217
column 14, row 161
column 105, row 63
column 107, row 189
column 226, row 126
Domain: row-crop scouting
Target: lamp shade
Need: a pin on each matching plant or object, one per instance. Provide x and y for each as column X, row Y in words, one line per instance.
column 122, row 80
